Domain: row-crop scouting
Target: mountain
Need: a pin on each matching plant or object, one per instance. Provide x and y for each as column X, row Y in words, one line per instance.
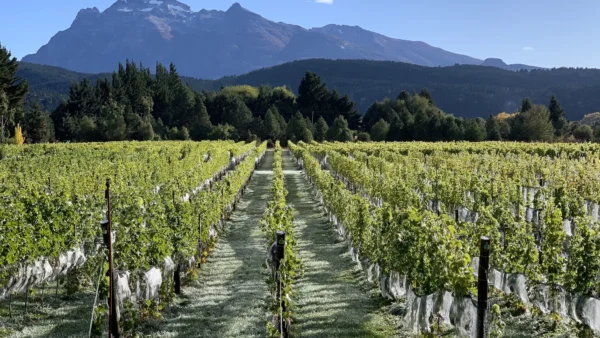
column 211, row 44
column 498, row 63
column 466, row 91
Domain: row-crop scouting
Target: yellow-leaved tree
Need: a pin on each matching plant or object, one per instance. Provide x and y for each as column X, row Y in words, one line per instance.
column 19, row 135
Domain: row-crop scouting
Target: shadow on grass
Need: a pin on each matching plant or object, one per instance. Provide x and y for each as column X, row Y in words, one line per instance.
column 59, row 317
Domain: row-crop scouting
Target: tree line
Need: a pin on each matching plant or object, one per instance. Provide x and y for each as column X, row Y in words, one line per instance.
column 134, row 104
column 463, row 90
column 416, row 117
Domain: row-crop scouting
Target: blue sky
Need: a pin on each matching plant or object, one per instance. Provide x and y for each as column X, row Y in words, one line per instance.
column 548, row 33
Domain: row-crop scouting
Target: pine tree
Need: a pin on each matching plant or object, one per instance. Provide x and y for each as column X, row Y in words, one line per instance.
column 450, row 129
column 201, row 125
column 272, row 128
column 297, row 130
column 339, row 131
column 475, row 130
column 233, row 111
column 5, row 115
column 321, row 130
column 312, row 95
column 13, row 89
column 493, row 129
column 526, row 105
column 38, row 125
column 396, row 131
column 557, row 115
column 426, row 94
column 404, row 96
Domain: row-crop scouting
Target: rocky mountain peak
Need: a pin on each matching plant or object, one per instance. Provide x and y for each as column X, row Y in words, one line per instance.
column 211, row 43
column 156, row 7
column 89, row 10
column 235, row 7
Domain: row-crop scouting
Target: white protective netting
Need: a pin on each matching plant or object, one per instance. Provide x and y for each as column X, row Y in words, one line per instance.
column 42, row 270
column 461, row 313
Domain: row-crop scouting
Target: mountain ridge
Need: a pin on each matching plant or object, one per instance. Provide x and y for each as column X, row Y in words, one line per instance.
column 237, row 41
column 465, row 91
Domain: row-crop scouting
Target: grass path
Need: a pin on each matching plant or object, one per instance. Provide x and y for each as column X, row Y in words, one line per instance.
column 59, row 318
column 332, row 299
column 229, row 297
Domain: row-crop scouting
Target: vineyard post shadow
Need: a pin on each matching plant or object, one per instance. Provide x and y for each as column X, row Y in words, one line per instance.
column 279, row 255
column 482, row 284
column 113, row 324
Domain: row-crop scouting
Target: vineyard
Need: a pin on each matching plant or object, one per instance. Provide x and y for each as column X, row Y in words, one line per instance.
column 318, row 240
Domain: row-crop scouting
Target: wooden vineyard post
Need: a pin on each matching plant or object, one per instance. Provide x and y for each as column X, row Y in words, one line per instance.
column 177, row 278
column 177, row 272
column 482, row 284
column 279, row 255
column 113, row 324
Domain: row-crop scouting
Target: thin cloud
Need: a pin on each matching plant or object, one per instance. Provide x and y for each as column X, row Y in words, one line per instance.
column 528, row 49
column 326, row 2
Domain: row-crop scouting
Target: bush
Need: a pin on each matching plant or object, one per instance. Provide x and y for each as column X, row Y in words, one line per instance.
column 583, row 133
column 364, row 137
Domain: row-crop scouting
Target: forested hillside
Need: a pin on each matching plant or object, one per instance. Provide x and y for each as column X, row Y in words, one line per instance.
column 464, row 91
column 49, row 85
column 140, row 103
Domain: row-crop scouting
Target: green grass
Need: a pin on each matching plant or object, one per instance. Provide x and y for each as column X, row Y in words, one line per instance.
column 332, row 299
column 59, row 317
column 229, row 297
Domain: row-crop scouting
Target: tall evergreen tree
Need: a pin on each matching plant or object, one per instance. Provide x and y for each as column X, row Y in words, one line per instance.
column 312, row 96
column 321, row 130
column 526, row 105
column 475, row 130
column 427, row 95
column 201, row 127
column 263, row 101
column 339, row 131
column 272, row 128
column 557, row 115
column 38, row 125
column 450, row 129
column 11, row 85
column 12, row 93
column 6, row 116
column 232, row 110
column 493, row 129
column 297, row 130
column 404, row 96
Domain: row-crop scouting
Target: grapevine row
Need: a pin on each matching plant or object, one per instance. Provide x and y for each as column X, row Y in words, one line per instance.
column 278, row 216
column 56, row 198
column 501, row 198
